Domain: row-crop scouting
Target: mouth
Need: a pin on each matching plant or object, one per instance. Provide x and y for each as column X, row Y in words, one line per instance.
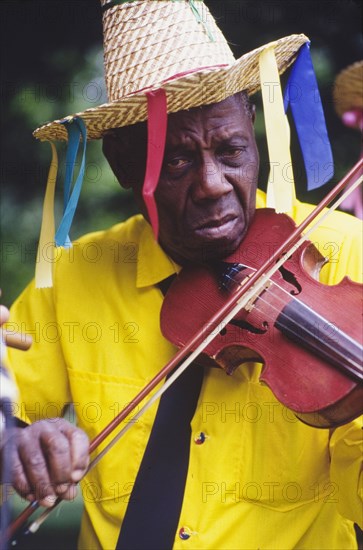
column 218, row 228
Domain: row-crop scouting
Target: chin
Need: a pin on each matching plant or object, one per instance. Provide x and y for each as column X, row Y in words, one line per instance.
column 209, row 246
column 219, row 250
column 210, row 250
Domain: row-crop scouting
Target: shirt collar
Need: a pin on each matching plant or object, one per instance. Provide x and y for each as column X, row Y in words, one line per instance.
column 153, row 264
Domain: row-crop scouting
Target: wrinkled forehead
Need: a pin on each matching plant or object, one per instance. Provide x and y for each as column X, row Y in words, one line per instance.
column 209, row 124
column 134, row 137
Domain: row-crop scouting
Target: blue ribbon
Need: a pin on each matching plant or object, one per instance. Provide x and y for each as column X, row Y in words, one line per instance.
column 75, row 128
column 302, row 95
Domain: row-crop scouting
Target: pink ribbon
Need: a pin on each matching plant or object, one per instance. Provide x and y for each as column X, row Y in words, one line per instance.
column 156, row 134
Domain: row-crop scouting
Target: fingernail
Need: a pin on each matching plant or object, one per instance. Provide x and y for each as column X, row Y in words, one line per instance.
column 48, row 501
column 77, row 475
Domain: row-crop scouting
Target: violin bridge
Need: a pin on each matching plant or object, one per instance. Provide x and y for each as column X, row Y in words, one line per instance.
column 251, row 302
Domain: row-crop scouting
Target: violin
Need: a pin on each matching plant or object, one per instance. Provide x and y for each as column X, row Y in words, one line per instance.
column 310, row 345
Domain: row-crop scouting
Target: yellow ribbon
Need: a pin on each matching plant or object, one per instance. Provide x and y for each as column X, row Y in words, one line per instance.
column 280, row 186
column 46, row 247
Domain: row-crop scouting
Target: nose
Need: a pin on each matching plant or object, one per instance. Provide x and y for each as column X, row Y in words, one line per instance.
column 210, row 182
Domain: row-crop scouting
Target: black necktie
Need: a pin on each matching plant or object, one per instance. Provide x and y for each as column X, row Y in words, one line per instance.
column 153, row 511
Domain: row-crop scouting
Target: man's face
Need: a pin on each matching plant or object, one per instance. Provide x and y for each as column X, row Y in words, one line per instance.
column 206, row 191
column 207, row 187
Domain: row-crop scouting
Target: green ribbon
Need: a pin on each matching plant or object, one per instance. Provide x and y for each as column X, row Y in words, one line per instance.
column 200, row 19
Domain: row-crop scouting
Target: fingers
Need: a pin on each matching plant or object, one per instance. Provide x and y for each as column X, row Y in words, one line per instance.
column 48, row 458
column 19, row 479
column 79, row 449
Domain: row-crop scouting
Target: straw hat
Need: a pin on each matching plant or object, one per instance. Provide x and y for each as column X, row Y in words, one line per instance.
column 348, row 89
column 174, row 45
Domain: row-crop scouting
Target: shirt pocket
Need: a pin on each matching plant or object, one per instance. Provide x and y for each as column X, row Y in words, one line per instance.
column 98, row 398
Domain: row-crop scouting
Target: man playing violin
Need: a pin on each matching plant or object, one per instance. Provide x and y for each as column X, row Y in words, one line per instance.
column 255, row 476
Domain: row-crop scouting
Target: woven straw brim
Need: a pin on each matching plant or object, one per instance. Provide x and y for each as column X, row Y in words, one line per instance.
column 193, row 90
column 348, row 89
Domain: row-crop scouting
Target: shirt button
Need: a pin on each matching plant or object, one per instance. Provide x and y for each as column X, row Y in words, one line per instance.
column 185, row 533
column 200, row 438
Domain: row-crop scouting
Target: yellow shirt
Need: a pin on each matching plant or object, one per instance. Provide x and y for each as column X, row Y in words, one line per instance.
column 261, row 479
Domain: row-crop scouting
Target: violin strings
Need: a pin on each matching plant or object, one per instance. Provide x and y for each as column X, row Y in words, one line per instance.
column 310, row 229
column 329, row 346
column 355, row 366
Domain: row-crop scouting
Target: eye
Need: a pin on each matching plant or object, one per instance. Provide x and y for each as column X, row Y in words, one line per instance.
column 232, row 154
column 175, row 166
column 176, row 163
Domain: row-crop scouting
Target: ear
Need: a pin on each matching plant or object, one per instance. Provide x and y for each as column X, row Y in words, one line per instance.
column 115, row 154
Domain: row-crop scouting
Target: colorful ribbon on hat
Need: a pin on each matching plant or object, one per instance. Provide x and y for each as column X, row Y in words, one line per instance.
column 302, row 95
column 46, row 255
column 280, row 187
column 156, row 135
column 75, row 128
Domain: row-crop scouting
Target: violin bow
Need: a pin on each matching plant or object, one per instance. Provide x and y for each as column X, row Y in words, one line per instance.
column 241, row 297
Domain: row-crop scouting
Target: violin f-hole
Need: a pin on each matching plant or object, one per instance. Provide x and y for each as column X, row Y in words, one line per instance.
column 290, row 278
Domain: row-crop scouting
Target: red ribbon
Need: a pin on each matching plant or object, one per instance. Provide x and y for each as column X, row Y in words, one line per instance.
column 156, row 134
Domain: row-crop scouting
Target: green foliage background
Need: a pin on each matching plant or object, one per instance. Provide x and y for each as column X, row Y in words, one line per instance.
column 51, row 66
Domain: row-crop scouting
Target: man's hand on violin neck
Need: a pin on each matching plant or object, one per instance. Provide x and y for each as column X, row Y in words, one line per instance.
column 48, row 459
